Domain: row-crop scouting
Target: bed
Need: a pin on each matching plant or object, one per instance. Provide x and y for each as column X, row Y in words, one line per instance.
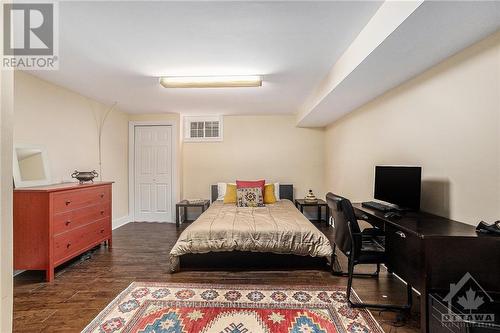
column 226, row 234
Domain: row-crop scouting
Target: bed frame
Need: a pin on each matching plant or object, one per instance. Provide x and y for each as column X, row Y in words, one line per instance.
column 286, row 192
column 240, row 260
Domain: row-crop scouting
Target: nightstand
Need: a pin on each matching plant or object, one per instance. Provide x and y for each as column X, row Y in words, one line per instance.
column 185, row 204
column 301, row 203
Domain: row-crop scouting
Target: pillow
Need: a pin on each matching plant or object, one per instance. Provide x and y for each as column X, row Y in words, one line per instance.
column 221, row 190
column 249, row 197
column 269, row 196
column 248, row 183
column 276, row 190
column 230, row 196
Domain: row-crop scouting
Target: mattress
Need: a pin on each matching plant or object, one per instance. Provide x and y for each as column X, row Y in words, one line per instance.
column 277, row 228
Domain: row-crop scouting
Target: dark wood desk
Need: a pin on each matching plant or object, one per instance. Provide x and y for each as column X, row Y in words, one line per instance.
column 431, row 252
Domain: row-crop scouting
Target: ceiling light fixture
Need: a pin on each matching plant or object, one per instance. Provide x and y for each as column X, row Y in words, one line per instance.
column 211, row 81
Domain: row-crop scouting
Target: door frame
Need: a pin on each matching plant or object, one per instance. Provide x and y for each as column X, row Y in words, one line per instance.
column 131, row 163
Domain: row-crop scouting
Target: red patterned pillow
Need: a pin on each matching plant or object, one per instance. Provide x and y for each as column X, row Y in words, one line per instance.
column 251, row 183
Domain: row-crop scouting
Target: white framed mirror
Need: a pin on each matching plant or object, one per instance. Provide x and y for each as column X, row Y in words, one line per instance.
column 31, row 166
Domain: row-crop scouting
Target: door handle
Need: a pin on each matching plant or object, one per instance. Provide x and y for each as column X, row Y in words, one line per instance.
column 401, row 234
column 67, row 202
column 68, row 245
column 68, row 222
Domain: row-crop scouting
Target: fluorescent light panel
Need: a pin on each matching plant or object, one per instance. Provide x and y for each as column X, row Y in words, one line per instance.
column 211, row 81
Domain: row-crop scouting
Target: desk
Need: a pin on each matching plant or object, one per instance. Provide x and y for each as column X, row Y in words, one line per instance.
column 430, row 252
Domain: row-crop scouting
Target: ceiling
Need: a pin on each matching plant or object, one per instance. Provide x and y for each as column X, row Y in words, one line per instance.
column 115, row 51
column 429, row 32
column 318, row 59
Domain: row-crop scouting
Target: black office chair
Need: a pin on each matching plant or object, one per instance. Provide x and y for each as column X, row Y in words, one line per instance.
column 360, row 247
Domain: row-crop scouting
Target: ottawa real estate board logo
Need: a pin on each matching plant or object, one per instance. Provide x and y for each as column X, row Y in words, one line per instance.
column 30, row 36
column 470, row 299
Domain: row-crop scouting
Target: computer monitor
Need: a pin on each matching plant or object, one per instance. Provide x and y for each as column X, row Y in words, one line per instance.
column 399, row 185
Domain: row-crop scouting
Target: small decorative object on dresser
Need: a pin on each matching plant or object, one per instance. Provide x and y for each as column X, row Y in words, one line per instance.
column 55, row 223
column 85, row 176
column 202, row 203
column 310, row 197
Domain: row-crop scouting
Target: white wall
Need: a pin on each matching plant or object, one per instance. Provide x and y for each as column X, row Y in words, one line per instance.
column 6, row 263
column 65, row 123
column 447, row 120
column 256, row 147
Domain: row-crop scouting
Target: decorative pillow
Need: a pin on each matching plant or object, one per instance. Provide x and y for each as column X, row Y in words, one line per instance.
column 269, row 197
column 276, row 190
column 221, row 190
column 249, row 197
column 250, row 183
column 230, row 196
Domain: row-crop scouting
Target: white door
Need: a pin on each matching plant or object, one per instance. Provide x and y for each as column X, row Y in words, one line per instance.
column 153, row 173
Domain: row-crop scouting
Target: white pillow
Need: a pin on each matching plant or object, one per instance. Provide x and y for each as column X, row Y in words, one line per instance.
column 221, row 190
column 277, row 191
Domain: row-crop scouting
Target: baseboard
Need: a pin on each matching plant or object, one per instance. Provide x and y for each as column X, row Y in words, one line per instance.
column 121, row 221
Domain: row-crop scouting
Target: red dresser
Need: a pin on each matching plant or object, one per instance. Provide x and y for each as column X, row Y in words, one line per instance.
column 55, row 223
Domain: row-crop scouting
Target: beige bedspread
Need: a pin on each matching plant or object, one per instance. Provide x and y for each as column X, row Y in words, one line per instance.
column 276, row 228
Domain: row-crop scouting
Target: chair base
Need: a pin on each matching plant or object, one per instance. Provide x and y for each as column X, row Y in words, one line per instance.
column 337, row 269
column 341, row 273
column 405, row 307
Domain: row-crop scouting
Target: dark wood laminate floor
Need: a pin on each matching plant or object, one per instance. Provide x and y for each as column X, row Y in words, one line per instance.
column 140, row 251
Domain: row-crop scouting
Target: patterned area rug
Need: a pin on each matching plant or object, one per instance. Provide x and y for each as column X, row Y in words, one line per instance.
column 204, row 308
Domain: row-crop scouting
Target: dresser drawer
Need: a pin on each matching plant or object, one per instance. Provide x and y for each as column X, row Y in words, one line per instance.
column 75, row 218
column 70, row 200
column 74, row 241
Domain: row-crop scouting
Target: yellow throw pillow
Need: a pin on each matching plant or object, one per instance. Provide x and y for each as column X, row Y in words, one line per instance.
column 269, row 197
column 230, row 196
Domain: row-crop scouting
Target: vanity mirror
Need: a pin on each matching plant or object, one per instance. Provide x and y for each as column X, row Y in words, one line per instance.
column 31, row 166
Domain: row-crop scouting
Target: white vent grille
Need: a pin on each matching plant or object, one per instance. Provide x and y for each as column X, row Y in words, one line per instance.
column 203, row 128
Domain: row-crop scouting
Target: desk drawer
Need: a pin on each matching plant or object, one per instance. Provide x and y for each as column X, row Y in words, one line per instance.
column 404, row 254
column 69, row 220
column 75, row 199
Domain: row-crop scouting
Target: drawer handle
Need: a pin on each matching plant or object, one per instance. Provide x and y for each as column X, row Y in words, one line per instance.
column 68, row 223
column 401, row 234
column 67, row 202
column 68, row 245
column 102, row 212
column 102, row 195
column 102, row 230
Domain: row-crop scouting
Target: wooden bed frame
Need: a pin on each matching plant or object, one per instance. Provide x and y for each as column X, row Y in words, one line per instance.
column 240, row 260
